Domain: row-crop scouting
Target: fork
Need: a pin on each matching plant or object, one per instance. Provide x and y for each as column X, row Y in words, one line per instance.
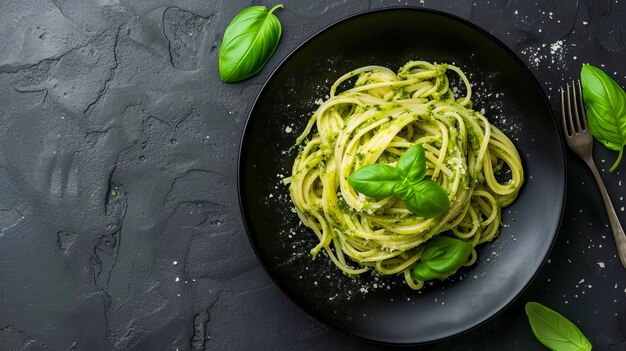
column 580, row 141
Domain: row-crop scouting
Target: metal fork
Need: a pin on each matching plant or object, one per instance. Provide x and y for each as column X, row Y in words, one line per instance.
column 580, row 141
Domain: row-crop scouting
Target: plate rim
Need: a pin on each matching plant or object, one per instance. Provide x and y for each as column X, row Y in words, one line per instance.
column 314, row 36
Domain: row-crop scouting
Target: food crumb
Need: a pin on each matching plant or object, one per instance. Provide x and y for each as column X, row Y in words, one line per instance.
column 601, row 264
column 288, row 129
column 175, row 263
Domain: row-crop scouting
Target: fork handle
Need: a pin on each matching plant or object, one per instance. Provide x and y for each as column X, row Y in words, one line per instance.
column 616, row 227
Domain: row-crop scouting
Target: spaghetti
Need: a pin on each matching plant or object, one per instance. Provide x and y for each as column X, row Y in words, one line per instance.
column 376, row 121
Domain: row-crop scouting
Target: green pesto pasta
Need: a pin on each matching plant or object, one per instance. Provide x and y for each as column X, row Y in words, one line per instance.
column 376, row 121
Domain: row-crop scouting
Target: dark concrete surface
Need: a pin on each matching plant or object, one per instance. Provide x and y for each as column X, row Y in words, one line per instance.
column 119, row 222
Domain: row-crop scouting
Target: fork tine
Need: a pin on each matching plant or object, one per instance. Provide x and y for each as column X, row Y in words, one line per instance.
column 582, row 107
column 570, row 123
column 563, row 111
column 576, row 103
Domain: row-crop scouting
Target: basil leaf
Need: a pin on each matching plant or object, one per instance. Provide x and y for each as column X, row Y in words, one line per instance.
column 606, row 109
column 441, row 258
column 376, row 180
column 427, row 200
column 421, row 196
column 249, row 42
column 555, row 331
column 412, row 164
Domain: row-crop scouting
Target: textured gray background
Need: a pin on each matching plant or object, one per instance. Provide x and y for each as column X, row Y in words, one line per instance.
column 119, row 223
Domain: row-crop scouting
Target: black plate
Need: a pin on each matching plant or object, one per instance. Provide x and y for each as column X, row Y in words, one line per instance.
column 385, row 309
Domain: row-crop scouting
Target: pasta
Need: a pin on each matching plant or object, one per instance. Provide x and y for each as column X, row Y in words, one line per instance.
column 376, row 121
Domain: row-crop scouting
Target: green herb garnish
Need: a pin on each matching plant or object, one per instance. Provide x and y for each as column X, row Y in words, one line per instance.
column 423, row 197
column 441, row 258
column 555, row 331
column 606, row 109
column 249, row 42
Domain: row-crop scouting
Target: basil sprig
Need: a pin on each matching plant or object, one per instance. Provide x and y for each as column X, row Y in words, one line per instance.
column 555, row 331
column 423, row 197
column 249, row 42
column 441, row 257
column 606, row 109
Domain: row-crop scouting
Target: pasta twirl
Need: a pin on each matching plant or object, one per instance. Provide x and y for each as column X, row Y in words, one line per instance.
column 376, row 121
